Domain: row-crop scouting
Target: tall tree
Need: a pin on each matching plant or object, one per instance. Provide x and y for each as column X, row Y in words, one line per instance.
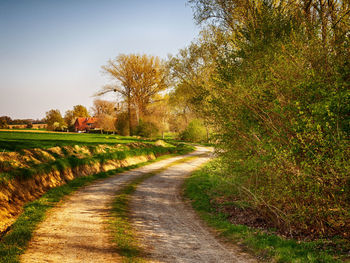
column 137, row 79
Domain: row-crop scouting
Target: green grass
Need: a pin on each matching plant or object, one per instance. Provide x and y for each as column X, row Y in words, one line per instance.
column 72, row 161
column 15, row 141
column 204, row 184
column 124, row 234
column 14, row 243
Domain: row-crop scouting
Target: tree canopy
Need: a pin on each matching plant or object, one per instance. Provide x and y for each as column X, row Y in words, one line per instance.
column 272, row 78
column 136, row 79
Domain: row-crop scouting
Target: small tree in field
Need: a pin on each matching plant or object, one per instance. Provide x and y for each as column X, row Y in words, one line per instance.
column 54, row 120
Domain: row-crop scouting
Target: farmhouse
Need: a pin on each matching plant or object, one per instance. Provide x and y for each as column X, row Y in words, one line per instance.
column 85, row 124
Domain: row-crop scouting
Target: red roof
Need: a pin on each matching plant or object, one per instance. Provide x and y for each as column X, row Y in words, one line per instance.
column 82, row 124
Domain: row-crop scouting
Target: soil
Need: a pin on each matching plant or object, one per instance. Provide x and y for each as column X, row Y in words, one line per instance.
column 169, row 229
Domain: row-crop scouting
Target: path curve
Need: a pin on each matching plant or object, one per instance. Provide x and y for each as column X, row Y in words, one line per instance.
column 169, row 229
column 76, row 230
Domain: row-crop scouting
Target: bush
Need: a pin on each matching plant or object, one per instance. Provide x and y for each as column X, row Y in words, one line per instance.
column 195, row 132
column 146, row 129
column 122, row 124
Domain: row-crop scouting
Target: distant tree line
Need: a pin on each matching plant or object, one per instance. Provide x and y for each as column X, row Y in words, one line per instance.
column 6, row 120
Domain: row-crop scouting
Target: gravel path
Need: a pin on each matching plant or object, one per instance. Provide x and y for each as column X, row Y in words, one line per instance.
column 169, row 229
column 75, row 231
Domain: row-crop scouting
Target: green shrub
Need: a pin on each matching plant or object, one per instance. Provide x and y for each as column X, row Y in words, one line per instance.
column 194, row 132
column 146, row 129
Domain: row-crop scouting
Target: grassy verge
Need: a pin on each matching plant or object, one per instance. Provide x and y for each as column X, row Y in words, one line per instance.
column 203, row 185
column 72, row 161
column 14, row 243
column 122, row 229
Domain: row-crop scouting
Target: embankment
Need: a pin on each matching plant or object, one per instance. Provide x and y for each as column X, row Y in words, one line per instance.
column 26, row 175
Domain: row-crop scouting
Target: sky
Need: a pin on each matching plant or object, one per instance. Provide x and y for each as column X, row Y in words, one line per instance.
column 51, row 51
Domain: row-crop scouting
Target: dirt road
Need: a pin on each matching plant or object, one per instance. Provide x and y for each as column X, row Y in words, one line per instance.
column 169, row 229
column 75, row 231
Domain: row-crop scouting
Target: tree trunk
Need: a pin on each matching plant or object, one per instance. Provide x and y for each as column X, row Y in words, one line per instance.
column 129, row 117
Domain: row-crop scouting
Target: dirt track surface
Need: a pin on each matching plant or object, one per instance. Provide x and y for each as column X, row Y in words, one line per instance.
column 169, row 229
column 75, row 231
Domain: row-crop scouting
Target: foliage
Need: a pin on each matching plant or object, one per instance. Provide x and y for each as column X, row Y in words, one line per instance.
column 122, row 124
column 213, row 196
column 194, row 132
column 276, row 90
column 137, row 79
column 54, row 120
column 146, row 129
column 106, row 122
column 71, row 115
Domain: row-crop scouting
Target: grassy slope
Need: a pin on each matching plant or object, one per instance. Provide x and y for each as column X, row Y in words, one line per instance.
column 61, row 164
column 15, row 141
column 203, row 185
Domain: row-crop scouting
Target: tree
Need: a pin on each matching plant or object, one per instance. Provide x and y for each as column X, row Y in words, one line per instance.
column 104, row 107
column 54, row 120
column 4, row 121
column 137, row 79
column 279, row 97
column 71, row 115
column 106, row 122
column 80, row 111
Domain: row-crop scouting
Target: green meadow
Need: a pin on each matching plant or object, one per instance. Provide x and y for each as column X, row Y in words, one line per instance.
column 18, row 140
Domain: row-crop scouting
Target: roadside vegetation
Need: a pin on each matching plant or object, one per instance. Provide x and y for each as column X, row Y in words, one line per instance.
column 271, row 80
column 214, row 197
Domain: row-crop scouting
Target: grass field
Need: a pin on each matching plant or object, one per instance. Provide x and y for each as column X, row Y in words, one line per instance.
column 17, row 140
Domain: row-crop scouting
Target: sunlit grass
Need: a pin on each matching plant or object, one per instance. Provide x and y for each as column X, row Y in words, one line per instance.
column 18, row 140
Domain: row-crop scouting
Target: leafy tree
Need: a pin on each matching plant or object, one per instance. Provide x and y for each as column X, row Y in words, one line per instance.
column 80, row 111
column 54, row 120
column 194, row 132
column 4, row 121
column 122, row 123
column 107, row 122
column 277, row 93
column 146, row 129
column 137, row 78
column 71, row 115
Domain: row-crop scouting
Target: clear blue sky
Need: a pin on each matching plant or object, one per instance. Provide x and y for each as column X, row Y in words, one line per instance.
column 51, row 51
